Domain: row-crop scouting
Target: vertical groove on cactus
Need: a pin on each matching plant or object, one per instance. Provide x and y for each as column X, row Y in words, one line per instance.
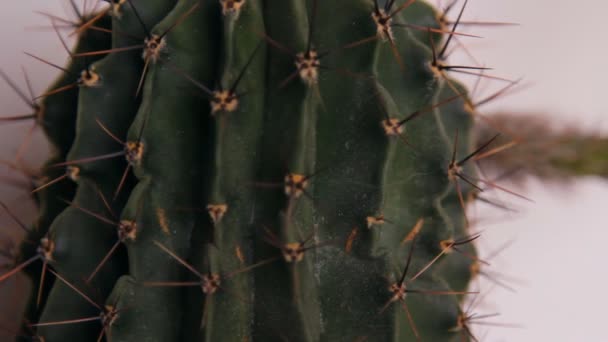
column 286, row 290
column 56, row 114
column 237, row 115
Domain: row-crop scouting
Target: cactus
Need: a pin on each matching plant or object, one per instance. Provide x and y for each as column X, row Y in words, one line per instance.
column 550, row 153
column 260, row 170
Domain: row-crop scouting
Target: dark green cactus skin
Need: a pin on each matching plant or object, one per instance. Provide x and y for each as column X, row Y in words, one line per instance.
column 328, row 131
column 82, row 241
column 237, row 136
column 170, row 121
column 286, row 293
column 458, row 268
column 57, row 118
column 403, row 184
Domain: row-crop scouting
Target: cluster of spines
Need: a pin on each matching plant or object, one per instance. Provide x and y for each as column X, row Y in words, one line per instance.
column 158, row 234
column 104, row 112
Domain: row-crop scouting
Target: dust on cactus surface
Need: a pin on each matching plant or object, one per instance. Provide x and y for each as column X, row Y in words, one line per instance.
column 248, row 170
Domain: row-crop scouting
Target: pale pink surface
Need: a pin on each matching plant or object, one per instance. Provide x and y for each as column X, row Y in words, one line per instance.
column 558, row 250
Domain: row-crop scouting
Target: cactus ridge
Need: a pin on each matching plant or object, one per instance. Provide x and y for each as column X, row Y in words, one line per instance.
column 264, row 170
column 82, row 240
column 55, row 113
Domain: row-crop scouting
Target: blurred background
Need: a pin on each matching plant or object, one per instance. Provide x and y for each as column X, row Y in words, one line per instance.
column 553, row 247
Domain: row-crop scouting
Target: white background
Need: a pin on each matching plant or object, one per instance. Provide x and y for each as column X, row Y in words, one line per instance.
column 558, row 255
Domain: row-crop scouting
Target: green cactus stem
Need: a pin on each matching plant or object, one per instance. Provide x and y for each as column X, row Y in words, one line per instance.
column 267, row 170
